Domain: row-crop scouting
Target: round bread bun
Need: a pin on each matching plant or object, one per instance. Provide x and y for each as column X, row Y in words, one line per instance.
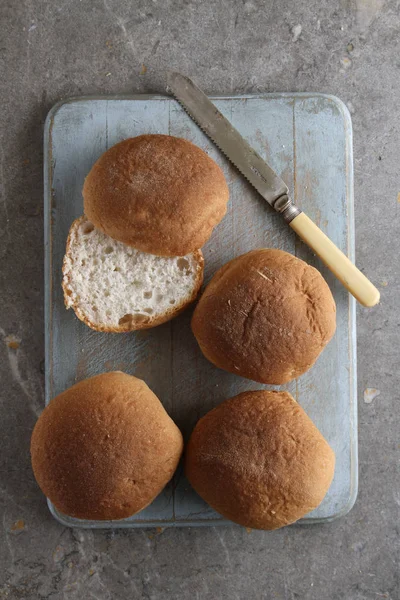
column 104, row 448
column 259, row 460
column 157, row 193
column 265, row 315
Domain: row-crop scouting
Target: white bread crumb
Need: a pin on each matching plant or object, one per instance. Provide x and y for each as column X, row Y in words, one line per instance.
column 113, row 287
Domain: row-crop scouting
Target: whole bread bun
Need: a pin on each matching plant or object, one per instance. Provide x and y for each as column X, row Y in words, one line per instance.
column 157, row 193
column 259, row 460
column 265, row 315
column 104, row 448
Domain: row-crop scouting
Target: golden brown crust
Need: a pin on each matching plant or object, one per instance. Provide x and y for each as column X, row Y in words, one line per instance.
column 129, row 324
column 157, row 193
column 105, row 448
column 259, row 460
column 265, row 315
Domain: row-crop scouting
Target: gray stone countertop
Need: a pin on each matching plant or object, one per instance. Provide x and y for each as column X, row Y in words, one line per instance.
column 55, row 49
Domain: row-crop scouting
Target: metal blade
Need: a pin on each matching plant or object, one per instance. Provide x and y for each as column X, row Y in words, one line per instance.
column 227, row 138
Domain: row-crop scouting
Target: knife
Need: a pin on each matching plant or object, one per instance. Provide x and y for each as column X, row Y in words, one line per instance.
column 271, row 187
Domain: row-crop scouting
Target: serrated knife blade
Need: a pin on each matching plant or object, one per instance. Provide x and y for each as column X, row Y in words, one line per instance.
column 227, row 138
column 271, row 187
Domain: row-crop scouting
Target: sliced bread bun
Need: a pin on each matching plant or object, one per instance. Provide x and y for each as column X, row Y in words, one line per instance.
column 259, row 460
column 157, row 193
column 113, row 287
column 105, row 448
column 265, row 315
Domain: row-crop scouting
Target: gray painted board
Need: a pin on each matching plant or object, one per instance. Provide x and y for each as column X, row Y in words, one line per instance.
column 307, row 139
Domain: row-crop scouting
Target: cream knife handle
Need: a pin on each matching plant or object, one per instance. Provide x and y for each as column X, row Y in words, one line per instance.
column 353, row 280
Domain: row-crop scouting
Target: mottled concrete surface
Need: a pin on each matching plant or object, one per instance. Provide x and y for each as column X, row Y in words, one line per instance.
column 55, row 49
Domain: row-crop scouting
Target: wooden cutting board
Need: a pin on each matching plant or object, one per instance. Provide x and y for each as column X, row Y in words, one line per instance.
column 307, row 139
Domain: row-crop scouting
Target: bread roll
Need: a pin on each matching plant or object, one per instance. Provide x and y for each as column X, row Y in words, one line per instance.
column 113, row 287
column 259, row 460
column 157, row 193
column 104, row 448
column 265, row 315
